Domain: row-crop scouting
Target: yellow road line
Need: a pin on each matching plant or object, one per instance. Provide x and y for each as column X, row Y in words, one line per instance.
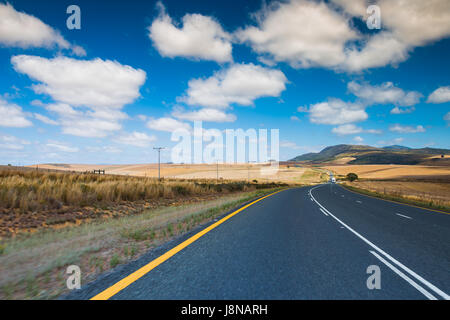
column 125, row 282
column 398, row 202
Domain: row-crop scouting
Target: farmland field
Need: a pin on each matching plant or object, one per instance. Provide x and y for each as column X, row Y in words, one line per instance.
column 241, row 172
column 393, row 171
column 33, row 199
column 427, row 186
column 431, row 194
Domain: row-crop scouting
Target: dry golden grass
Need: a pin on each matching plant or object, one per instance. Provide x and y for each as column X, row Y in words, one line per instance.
column 432, row 194
column 33, row 266
column 392, row 171
column 238, row 172
column 445, row 156
column 31, row 200
column 36, row 190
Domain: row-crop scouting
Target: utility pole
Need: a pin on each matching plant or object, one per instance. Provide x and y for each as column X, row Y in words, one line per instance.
column 248, row 170
column 159, row 160
column 217, row 170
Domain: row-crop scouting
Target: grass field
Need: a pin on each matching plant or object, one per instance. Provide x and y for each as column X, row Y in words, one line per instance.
column 389, row 172
column 31, row 199
column 52, row 218
column 33, row 266
column 432, row 195
column 239, row 172
column 426, row 186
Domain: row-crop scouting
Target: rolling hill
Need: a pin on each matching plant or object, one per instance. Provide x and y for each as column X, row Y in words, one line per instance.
column 359, row 154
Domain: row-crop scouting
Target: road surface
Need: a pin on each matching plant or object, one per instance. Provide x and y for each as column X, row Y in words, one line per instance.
column 303, row 243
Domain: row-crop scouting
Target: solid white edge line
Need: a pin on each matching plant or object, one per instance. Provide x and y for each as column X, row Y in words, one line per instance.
column 401, row 215
column 405, row 268
column 405, row 277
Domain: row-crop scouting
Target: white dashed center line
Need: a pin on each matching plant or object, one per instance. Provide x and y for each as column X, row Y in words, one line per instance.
column 399, row 268
column 323, row 212
column 401, row 215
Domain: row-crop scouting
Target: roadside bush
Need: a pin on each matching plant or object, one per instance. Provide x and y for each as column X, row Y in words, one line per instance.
column 352, row 176
column 181, row 190
column 115, row 260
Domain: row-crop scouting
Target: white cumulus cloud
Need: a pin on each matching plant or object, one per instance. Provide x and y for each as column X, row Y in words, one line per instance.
column 302, row 33
column 62, row 147
column 167, row 124
column 45, row 119
column 350, row 128
column 383, row 94
column 204, row 114
column 12, row 143
column 336, row 112
column 200, row 37
column 406, row 129
column 137, row 139
column 99, row 83
column 18, row 29
column 240, row 84
column 401, row 110
column 89, row 94
column 347, row 129
column 440, row 95
column 405, row 25
column 12, row 115
column 307, row 33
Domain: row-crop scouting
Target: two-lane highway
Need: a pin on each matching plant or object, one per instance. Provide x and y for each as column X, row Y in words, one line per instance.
column 304, row 243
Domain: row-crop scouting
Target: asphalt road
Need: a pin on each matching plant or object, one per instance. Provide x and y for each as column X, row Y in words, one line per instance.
column 305, row 243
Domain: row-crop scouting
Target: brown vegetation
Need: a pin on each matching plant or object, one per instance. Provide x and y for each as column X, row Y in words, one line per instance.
column 393, row 171
column 435, row 195
column 31, row 199
column 427, row 186
column 288, row 173
column 34, row 266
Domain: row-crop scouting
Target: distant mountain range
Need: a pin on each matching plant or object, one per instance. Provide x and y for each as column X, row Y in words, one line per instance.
column 358, row 154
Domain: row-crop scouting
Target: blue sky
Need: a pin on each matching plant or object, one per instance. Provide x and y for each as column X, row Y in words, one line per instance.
column 137, row 70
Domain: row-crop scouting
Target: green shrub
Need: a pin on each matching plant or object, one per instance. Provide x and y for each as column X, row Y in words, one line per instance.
column 181, row 190
column 115, row 260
